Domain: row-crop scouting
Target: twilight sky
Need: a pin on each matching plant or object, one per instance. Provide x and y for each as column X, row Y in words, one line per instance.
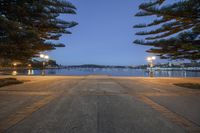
column 104, row 35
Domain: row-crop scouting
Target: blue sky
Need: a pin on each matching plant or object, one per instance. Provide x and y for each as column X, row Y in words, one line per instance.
column 104, row 34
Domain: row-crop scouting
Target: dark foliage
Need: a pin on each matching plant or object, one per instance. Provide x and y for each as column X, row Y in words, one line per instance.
column 178, row 32
column 27, row 25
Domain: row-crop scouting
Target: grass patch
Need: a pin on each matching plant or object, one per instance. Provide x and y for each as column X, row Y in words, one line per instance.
column 189, row 85
column 9, row 81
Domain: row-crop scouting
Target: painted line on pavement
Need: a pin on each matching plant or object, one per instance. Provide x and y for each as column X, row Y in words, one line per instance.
column 24, row 93
column 175, row 118
column 22, row 114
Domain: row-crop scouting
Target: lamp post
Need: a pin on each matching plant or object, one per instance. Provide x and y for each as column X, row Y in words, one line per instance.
column 151, row 63
column 45, row 58
column 14, row 64
column 14, row 72
column 30, row 71
column 150, row 60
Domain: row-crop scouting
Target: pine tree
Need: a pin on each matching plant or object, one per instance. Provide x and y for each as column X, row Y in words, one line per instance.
column 27, row 25
column 177, row 35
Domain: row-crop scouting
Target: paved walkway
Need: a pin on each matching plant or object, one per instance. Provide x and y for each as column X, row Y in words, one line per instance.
column 99, row 104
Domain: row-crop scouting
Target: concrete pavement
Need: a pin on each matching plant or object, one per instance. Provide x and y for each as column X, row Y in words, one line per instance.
column 99, row 104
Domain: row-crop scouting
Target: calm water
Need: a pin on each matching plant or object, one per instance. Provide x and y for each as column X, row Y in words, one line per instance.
column 111, row 71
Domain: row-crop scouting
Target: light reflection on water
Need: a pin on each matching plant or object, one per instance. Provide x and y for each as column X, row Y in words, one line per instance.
column 109, row 71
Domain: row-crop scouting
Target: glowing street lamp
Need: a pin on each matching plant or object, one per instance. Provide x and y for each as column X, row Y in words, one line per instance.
column 30, row 71
column 42, row 55
column 153, row 58
column 14, row 72
column 150, row 60
column 45, row 58
column 14, row 64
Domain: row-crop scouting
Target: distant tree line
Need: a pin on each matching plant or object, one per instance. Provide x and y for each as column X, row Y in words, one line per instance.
column 170, row 65
column 96, row 66
column 27, row 27
column 176, row 31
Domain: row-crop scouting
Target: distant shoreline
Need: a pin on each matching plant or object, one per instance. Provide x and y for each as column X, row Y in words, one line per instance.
column 197, row 69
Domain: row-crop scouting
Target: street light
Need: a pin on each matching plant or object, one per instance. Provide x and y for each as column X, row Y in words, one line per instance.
column 150, row 60
column 153, row 58
column 42, row 55
column 30, row 71
column 14, row 72
column 14, row 64
column 45, row 58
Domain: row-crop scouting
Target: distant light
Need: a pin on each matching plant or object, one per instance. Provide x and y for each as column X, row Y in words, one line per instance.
column 153, row 57
column 42, row 55
column 14, row 73
column 46, row 57
column 149, row 58
column 29, row 65
column 14, row 64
